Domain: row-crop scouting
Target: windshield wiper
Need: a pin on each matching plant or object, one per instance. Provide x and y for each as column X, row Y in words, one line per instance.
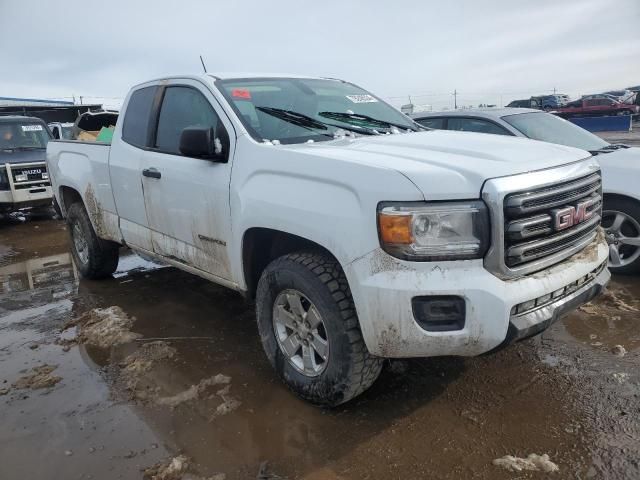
column 357, row 117
column 615, row 146
column 304, row 121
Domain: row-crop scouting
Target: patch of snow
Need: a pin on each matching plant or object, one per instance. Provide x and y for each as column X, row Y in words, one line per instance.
column 106, row 327
column 532, row 462
column 194, row 391
column 619, row 351
column 621, row 377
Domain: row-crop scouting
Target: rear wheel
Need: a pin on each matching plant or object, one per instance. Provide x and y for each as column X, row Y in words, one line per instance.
column 621, row 223
column 95, row 258
column 310, row 331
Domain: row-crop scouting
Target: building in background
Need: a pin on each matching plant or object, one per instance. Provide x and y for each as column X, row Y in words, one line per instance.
column 48, row 110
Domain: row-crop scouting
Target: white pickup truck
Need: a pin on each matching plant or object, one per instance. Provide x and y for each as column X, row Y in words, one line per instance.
column 360, row 235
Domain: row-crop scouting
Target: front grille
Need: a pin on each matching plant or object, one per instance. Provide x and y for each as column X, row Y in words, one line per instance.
column 32, row 173
column 36, row 176
column 546, row 221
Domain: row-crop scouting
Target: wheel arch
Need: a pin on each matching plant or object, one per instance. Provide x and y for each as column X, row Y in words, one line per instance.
column 620, row 196
column 260, row 246
column 68, row 196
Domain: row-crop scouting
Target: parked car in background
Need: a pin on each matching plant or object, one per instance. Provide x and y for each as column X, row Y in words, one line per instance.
column 594, row 105
column 549, row 102
column 520, row 103
column 61, row 131
column 360, row 235
column 620, row 167
column 541, row 102
column 622, row 96
column 24, row 180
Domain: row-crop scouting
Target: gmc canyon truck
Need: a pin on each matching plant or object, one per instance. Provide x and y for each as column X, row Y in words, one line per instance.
column 360, row 235
column 24, row 180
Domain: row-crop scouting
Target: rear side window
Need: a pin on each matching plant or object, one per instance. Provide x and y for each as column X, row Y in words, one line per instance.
column 135, row 129
column 437, row 123
column 183, row 107
column 475, row 125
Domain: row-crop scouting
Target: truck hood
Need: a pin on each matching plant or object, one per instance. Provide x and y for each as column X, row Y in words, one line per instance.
column 23, row 156
column 448, row 165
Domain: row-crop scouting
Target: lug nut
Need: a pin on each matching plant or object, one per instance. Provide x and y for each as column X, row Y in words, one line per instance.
column 306, row 324
column 305, row 343
column 310, row 337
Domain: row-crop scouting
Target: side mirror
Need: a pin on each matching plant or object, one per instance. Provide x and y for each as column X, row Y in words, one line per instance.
column 201, row 142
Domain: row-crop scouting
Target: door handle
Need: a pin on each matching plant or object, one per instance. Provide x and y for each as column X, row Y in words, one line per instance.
column 151, row 173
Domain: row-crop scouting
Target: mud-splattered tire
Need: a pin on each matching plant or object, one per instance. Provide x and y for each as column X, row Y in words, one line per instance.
column 349, row 369
column 95, row 258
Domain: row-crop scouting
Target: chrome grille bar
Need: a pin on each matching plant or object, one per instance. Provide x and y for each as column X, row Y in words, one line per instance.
column 528, row 202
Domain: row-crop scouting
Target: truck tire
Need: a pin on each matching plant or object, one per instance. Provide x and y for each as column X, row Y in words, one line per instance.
column 95, row 258
column 621, row 223
column 310, row 331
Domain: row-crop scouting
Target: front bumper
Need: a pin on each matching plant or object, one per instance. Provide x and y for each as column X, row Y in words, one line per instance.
column 383, row 288
column 13, row 200
column 34, row 191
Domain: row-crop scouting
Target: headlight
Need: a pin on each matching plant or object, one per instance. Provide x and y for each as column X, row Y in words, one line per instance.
column 434, row 231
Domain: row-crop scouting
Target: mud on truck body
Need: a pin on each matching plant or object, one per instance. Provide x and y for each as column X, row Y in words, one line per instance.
column 359, row 234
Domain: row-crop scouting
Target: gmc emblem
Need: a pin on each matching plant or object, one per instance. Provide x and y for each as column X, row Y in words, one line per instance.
column 564, row 218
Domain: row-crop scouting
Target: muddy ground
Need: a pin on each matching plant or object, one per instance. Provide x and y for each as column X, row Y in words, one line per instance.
column 108, row 380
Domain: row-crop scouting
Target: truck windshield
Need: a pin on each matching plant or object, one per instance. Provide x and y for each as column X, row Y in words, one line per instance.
column 294, row 110
column 552, row 129
column 23, row 136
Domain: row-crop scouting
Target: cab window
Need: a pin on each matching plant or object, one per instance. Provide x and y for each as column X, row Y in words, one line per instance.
column 183, row 107
column 135, row 129
column 431, row 122
column 475, row 125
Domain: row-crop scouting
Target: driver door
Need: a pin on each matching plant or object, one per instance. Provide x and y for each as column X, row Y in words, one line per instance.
column 186, row 198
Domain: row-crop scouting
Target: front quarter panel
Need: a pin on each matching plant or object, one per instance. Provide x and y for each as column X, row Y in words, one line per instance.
column 330, row 202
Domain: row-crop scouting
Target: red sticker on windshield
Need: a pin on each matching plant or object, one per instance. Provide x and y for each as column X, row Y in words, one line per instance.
column 241, row 93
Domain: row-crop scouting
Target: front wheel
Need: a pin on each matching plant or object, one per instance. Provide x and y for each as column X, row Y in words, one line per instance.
column 621, row 223
column 310, row 331
column 95, row 258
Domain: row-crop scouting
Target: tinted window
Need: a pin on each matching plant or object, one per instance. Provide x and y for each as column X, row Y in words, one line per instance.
column 135, row 128
column 182, row 107
column 475, row 125
column 437, row 123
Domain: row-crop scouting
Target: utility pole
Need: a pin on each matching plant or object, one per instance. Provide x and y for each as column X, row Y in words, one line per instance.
column 455, row 99
column 80, row 99
column 554, row 90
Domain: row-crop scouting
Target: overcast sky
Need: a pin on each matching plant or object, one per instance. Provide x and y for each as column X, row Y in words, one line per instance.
column 488, row 50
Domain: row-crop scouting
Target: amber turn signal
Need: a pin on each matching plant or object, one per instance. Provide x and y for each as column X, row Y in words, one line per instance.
column 395, row 229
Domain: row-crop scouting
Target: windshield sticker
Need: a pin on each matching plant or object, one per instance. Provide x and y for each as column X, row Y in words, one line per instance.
column 241, row 93
column 361, row 98
column 31, row 128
